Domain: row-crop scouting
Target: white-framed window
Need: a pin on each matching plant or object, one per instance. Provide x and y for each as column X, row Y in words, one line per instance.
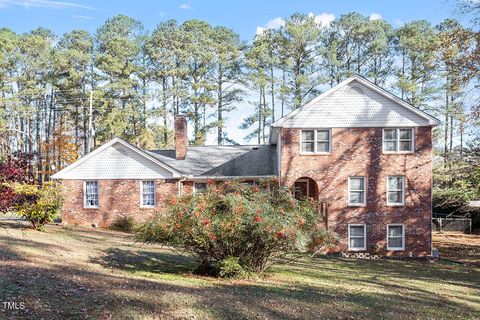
column 357, row 190
column 398, row 140
column 147, row 192
column 395, row 236
column 90, row 195
column 200, row 187
column 395, row 190
column 316, row 141
column 357, row 237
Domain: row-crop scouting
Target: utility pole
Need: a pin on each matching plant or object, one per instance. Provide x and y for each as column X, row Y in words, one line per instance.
column 90, row 129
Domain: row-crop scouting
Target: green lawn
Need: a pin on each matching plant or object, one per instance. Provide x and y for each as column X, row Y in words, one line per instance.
column 93, row 274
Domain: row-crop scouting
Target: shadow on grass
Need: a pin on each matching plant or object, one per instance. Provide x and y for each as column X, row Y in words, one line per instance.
column 145, row 261
column 59, row 292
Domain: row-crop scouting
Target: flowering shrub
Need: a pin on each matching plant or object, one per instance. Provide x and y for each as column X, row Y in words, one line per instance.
column 254, row 224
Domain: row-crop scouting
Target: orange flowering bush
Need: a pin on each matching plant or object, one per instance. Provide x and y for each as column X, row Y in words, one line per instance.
column 253, row 224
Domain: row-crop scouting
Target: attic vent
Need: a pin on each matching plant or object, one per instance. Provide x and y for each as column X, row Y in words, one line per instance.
column 355, row 91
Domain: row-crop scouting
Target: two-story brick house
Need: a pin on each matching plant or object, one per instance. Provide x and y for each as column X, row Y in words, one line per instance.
column 361, row 152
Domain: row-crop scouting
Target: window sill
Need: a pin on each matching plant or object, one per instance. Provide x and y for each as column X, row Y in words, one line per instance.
column 90, row 208
column 357, row 249
column 315, row 153
column 398, row 152
column 147, row 207
column 357, row 204
column 395, row 249
column 395, row 204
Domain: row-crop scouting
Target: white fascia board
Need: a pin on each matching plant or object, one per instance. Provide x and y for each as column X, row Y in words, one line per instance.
column 431, row 120
column 61, row 174
column 279, row 122
column 201, row 178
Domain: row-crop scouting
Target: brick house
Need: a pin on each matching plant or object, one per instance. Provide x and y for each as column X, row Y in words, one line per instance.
column 364, row 154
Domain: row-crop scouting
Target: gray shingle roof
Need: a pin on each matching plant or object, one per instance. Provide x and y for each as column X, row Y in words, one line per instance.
column 225, row 161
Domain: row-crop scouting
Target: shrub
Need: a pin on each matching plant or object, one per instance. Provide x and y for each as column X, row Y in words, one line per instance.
column 123, row 224
column 254, row 224
column 40, row 204
column 231, row 268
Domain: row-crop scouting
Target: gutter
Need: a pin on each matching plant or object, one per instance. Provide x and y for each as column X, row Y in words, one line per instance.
column 203, row 178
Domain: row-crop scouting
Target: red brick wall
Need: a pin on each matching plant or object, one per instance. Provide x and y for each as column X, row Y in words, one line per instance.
column 116, row 198
column 358, row 152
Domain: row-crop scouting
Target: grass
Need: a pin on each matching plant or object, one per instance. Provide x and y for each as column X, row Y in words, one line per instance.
column 463, row 248
column 95, row 274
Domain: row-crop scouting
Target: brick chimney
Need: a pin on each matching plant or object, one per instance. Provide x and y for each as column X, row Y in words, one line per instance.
column 181, row 137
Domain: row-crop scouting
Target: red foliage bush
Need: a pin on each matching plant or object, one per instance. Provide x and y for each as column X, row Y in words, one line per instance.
column 14, row 168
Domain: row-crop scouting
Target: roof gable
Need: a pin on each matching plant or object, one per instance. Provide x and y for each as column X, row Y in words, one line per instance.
column 356, row 102
column 117, row 159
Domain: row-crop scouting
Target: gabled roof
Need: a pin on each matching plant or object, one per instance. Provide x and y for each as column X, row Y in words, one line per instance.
column 222, row 161
column 61, row 174
column 370, row 85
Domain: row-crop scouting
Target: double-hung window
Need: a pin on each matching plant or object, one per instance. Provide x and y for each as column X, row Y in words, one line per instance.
column 357, row 237
column 148, row 194
column 356, row 191
column 91, row 194
column 395, row 191
column 395, row 237
column 316, row 141
column 398, row 140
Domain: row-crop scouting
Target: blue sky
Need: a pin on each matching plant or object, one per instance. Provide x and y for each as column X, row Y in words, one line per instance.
column 244, row 17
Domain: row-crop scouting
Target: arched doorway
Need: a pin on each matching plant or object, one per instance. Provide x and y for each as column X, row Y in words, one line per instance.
column 305, row 188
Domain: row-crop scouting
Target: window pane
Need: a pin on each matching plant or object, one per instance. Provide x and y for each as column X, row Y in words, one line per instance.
column 307, row 146
column 395, row 183
column 308, row 135
column 323, row 135
column 395, row 231
column 390, row 134
column 357, row 242
column 323, row 146
column 390, row 145
column 395, row 197
column 356, row 183
column 395, row 242
column 406, row 134
column 405, row 146
column 91, row 194
column 357, row 197
column 356, row 231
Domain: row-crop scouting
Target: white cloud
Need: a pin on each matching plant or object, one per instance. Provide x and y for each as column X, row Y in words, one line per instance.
column 323, row 19
column 375, row 16
column 78, row 16
column 43, row 4
column 276, row 23
column 185, row 6
column 260, row 30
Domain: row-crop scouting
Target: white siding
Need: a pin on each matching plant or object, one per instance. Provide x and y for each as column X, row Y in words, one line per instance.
column 344, row 108
column 117, row 162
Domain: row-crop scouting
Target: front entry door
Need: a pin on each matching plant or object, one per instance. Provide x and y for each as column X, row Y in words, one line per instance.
column 301, row 189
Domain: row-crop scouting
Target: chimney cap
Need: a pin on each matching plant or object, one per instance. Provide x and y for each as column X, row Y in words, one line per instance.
column 180, row 115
